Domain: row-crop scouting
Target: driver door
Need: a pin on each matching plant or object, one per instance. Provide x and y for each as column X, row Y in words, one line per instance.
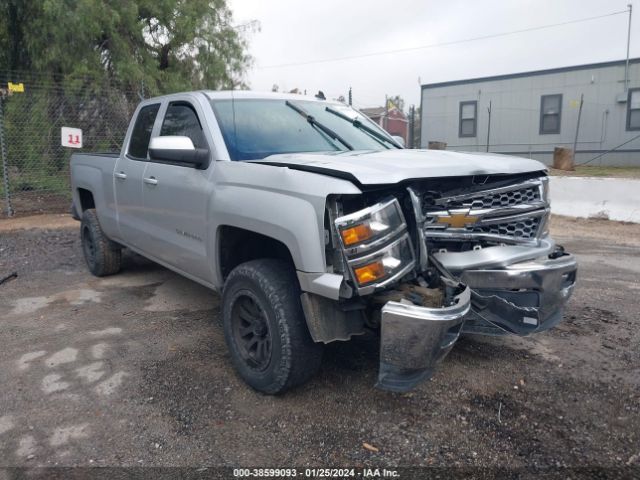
column 175, row 199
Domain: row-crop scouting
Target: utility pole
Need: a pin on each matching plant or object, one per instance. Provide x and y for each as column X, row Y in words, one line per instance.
column 350, row 97
column 386, row 112
column 575, row 140
column 626, row 65
column 412, row 126
column 488, row 125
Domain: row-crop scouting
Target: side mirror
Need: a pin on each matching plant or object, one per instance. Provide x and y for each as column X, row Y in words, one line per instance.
column 176, row 149
column 399, row 140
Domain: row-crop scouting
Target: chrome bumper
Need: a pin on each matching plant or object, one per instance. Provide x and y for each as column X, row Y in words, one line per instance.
column 414, row 339
column 521, row 298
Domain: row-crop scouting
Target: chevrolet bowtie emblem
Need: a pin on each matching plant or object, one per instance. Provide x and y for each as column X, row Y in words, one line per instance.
column 457, row 220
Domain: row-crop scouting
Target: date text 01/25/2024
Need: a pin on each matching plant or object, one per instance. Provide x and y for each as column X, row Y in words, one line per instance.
column 315, row 473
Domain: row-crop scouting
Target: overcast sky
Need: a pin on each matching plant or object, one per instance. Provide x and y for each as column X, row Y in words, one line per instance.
column 295, row 32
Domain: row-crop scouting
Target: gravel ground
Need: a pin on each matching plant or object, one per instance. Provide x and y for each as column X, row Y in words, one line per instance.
column 132, row 370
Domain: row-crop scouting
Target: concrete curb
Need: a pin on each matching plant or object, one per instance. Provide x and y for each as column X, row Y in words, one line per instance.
column 593, row 197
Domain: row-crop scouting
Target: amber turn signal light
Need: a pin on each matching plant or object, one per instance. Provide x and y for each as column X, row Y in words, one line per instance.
column 356, row 234
column 370, row 272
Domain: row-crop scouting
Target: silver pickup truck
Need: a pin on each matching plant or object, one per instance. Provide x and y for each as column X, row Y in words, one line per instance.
column 316, row 225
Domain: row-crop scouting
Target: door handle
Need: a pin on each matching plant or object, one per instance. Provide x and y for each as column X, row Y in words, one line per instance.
column 120, row 175
column 150, row 180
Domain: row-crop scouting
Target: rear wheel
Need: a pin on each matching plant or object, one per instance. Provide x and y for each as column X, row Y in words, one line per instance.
column 103, row 256
column 265, row 329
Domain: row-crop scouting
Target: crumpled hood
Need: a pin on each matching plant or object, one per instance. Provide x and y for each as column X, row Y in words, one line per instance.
column 393, row 166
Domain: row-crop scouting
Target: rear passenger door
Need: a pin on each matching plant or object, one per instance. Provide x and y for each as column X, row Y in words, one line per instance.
column 175, row 198
column 128, row 177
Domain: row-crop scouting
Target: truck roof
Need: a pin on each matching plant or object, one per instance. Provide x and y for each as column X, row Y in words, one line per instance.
column 240, row 94
column 237, row 94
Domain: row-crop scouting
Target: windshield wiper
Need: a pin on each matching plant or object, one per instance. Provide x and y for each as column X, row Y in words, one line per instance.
column 323, row 128
column 365, row 128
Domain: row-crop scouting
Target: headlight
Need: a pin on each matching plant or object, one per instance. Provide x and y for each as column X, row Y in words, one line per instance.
column 376, row 245
column 370, row 227
column 384, row 264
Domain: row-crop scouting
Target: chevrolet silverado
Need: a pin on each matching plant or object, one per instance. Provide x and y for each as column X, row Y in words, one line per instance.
column 316, row 225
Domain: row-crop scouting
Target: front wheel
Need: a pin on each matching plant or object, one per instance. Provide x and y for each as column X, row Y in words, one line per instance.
column 265, row 329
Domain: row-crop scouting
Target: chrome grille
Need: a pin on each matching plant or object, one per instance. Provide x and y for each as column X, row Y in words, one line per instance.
column 526, row 228
column 508, row 214
column 507, row 199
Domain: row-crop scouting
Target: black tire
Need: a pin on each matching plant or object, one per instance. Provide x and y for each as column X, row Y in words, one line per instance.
column 102, row 255
column 265, row 293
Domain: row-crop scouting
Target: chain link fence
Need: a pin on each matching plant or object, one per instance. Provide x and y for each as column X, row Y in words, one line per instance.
column 33, row 110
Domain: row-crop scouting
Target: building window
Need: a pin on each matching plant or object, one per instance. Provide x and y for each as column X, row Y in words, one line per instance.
column 550, row 113
column 468, row 118
column 633, row 109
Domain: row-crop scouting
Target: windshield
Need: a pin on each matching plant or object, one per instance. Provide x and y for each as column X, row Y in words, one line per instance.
column 256, row 128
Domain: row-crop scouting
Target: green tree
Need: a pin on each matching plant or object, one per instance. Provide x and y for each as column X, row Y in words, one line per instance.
column 86, row 63
column 165, row 45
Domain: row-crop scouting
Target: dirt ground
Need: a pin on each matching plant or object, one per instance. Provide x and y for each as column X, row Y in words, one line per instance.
column 42, row 222
column 28, row 203
column 132, row 370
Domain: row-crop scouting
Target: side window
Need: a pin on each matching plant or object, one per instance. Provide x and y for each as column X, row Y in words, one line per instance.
column 633, row 109
column 550, row 113
column 468, row 116
column 181, row 119
column 139, row 143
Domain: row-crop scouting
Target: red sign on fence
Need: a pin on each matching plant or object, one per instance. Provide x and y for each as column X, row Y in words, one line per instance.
column 71, row 137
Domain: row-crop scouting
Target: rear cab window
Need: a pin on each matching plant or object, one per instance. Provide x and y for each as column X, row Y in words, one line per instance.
column 141, row 134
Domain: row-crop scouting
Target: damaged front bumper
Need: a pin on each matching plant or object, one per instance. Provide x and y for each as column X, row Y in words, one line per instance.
column 414, row 339
column 521, row 298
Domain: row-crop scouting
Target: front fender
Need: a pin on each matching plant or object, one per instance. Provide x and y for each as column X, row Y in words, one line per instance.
column 284, row 204
column 292, row 221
